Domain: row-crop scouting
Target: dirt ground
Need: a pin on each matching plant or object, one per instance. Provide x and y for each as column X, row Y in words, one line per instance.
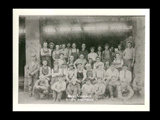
column 23, row 98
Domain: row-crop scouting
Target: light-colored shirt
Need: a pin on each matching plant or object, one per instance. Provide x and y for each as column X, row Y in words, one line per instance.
column 84, row 61
column 45, row 52
column 129, row 53
column 125, row 76
column 61, row 86
column 96, row 65
column 41, row 83
column 99, row 73
column 118, row 63
column 99, row 88
column 88, row 88
column 92, row 55
column 60, row 62
column 109, row 74
column 64, row 51
column 70, row 74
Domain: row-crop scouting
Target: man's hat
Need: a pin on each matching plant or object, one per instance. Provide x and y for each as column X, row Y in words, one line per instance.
column 51, row 43
column 87, row 65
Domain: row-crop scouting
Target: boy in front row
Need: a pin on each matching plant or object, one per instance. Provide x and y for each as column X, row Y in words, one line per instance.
column 73, row 89
column 87, row 90
column 58, row 88
column 99, row 89
column 41, row 88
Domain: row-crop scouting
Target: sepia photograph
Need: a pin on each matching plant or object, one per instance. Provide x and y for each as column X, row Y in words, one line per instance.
column 80, row 59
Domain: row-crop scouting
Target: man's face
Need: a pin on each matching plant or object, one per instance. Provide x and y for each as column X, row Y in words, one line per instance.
column 117, row 56
column 45, row 62
column 63, row 46
column 98, row 59
column 71, row 67
column 106, row 47
column 57, row 47
column 74, row 45
column 92, row 50
column 81, row 56
column 113, row 78
column 107, row 63
column 79, row 66
column 129, row 45
column 71, row 58
column 119, row 47
column 99, row 48
column 51, row 46
column 45, row 44
column 83, row 46
column 68, row 45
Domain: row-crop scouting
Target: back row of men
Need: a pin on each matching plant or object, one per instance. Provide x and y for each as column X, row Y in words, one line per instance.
column 89, row 77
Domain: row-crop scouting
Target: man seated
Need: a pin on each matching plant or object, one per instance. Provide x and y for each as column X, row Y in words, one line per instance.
column 100, row 72
column 87, row 90
column 90, row 74
column 41, row 88
column 58, row 88
column 138, row 85
column 73, row 89
column 99, row 89
column 111, row 77
column 125, row 91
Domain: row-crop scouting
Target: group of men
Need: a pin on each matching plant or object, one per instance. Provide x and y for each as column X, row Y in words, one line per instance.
column 70, row 72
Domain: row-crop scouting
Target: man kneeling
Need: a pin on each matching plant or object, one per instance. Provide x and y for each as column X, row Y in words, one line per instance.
column 41, row 88
column 73, row 89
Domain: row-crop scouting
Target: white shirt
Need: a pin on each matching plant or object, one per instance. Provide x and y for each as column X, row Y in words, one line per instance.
column 126, row 77
column 109, row 73
column 92, row 55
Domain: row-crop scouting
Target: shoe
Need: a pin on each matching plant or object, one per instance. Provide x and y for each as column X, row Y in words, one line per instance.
column 30, row 94
column 112, row 98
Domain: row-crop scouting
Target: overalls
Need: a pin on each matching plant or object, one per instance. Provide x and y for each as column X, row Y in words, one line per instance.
column 48, row 58
column 80, row 77
column 75, row 54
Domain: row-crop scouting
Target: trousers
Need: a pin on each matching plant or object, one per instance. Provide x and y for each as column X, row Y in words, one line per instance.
column 57, row 95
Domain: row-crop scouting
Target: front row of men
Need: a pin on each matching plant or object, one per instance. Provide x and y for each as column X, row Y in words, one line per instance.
column 73, row 84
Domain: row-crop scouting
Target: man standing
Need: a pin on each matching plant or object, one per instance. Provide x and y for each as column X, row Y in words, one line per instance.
column 31, row 72
column 125, row 80
column 129, row 56
column 106, row 55
column 84, row 51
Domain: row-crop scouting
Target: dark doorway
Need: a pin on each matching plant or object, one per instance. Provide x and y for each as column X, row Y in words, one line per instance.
column 22, row 56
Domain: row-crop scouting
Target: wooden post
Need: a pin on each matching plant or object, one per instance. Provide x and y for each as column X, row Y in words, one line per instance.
column 32, row 41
